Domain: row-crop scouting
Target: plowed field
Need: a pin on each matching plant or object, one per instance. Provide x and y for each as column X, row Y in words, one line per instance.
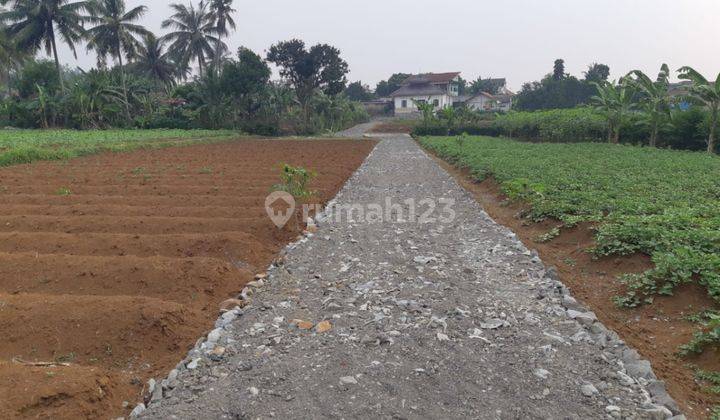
column 112, row 266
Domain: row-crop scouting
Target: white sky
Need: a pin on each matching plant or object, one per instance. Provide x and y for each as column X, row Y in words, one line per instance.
column 516, row 39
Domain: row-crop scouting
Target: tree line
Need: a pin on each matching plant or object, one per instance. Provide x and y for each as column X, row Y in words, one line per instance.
column 634, row 100
column 151, row 82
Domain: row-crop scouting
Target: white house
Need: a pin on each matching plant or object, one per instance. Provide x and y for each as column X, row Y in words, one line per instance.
column 483, row 101
column 439, row 89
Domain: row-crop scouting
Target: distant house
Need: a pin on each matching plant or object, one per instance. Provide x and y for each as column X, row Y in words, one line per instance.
column 678, row 93
column 483, row 101
column 439, row 89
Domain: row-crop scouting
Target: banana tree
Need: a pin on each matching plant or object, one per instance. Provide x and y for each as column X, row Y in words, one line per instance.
column 707, row 94
column 449, row 115
column 615, row 101
column 427, row 109
column 655, row 99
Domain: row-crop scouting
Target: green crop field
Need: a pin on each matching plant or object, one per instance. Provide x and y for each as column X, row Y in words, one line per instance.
column 25, row 146
column 663, row 203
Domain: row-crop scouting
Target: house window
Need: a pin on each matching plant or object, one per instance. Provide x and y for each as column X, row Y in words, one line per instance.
column 436, row 102
column 404, row 103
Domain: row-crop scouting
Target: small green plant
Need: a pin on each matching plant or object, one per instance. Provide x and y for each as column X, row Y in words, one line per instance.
column 461, row 140
column 711, row 378
column 205, row 170
column 63, row 191
column 294, row 181
column 703, row 317
column 65, row 358
column 137, row 171
column 710, row 335
column 549, row 235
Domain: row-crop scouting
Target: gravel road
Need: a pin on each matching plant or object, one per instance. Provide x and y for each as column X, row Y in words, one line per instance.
column 409, row 318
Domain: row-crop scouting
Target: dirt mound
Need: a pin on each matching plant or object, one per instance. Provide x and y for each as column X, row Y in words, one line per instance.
column 112, row 266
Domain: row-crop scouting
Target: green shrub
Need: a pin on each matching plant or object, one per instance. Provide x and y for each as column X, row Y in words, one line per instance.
column 295, row 181
column 687, row 130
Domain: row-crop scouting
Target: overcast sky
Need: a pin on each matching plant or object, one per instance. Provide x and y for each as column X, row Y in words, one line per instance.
column 516, row 39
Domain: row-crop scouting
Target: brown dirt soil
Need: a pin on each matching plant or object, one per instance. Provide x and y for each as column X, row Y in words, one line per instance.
column 394, row 126
column 116, row 281
column 656, row 330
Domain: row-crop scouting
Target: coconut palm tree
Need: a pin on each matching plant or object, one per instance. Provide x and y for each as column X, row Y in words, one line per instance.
column 115, row 33
column 194, row 36
column 615, row 101
column 10, row 55
column 707, row 94
column 656, row 99
column 34, row 24
column 153, row 62
column 221, row 12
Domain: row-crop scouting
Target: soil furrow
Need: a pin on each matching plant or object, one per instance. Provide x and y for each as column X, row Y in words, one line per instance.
column 115, row 264
column 134, row 211
column 147, row 201
column 197, row 280
column 147, row 225
column 118, row 331
column 230, row 246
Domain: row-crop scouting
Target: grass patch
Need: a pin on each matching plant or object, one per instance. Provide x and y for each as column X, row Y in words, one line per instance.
column 663, row 203
column 27, row 146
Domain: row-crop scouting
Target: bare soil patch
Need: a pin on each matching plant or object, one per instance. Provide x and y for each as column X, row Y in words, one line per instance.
column 112, row 266
column 394, row 126
column 656, row 330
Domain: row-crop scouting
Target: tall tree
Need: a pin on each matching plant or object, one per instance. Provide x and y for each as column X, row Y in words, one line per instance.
column 195, row 35
column 559, row 69
column 221, row 11
column 356, row 91
column 491, row 86
column 153, row 62
column 321, row 67
column 38, row 23
column 244, row 80
column 115, row 34
column 597, row 73
column 707, row 94
column 387, row 87
column 10, row 55
column 655, row 99
column 615, row 101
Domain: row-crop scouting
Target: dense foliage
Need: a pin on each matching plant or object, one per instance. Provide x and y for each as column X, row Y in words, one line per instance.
column 687, row 130
column 148, row 86
column 560, row 90
column 386, row 87
column 634, row 196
